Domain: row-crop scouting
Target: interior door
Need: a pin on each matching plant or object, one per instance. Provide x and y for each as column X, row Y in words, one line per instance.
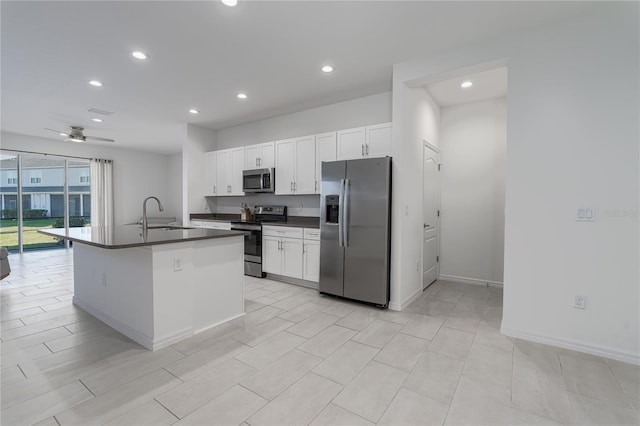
column 431, row 219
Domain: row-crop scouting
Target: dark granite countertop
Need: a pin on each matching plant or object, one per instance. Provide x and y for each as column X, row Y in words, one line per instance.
column 127, row 236
column 295, row 221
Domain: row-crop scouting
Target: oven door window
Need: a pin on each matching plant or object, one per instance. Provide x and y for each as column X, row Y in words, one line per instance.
column 252, row 182
column 253, row 244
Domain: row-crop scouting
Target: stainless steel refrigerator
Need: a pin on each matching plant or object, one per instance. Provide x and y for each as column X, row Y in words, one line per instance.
column 355, row 225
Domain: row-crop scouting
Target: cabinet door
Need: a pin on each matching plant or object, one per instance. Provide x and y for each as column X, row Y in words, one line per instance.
column 378, row 140
column 305, row 181
column 292, row 257
column 351, row 143
column 325, row 151
column 271, row 255
column 223, row 166
column 210, row 171
column 285, row 166
column 251, row 155
column 267, row 155
column 311, row 261
column 237, row 166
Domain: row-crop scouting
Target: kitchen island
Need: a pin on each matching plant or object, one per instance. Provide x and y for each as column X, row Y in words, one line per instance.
column 160, row 286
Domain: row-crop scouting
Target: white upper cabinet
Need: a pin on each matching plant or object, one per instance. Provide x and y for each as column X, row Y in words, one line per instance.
column 237, row 166
column 285, row 166
column 229, row 164
column 259, row 156
column 378, row 140
column 325, row 151
column 364, row 142
column 211, row 167
column 350, row 144
column 305, row 180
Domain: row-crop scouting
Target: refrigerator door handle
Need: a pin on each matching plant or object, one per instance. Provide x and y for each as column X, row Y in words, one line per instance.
column 345, row 214
column 341, row 214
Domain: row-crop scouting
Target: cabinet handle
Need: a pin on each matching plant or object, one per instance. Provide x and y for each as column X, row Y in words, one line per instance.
column 366, row 149
column 259, row 161
column 295, row 186
column 214, row 189
column 304, row 248
column 315, row 186
column 256, row 161
column 291, row 186
column 362, row 150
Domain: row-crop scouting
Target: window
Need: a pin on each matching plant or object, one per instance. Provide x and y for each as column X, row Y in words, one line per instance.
column 12, row 181
column 35, row 179
column 85, row 179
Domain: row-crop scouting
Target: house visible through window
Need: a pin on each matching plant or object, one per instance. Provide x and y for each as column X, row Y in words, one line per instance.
column 84, row 179
column 36, row 180
column 12, row 181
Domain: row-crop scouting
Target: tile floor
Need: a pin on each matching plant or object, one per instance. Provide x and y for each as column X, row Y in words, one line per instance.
column 295, row 358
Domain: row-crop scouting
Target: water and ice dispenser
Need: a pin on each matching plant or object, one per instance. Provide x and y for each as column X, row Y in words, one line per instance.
column 333, row 207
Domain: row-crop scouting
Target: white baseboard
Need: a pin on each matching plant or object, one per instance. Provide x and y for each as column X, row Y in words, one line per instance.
column 466, row 280
column 406, row 302
column 605, row 352
column 219, row 323
column 131, row 333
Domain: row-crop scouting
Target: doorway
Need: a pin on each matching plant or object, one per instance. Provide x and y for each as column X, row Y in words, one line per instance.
column 431, row 214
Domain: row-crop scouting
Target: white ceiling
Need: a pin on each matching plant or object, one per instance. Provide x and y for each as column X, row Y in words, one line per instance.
column 486, row 85
column 203, row 53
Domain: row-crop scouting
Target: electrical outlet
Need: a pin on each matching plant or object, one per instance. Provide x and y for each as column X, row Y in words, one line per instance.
column 177, row 264
column 580, row 302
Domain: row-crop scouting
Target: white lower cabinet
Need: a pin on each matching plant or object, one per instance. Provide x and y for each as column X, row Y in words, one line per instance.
column 210, row 224
column 286, row 252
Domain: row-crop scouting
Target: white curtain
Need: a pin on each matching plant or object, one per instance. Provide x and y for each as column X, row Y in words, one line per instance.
column 101, row 192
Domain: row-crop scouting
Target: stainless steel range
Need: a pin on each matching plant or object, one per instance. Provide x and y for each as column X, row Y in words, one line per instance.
column 253, row 240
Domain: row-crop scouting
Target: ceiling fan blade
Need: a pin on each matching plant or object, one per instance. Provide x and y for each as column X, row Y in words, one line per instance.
column 95, row 138
column 54, row 130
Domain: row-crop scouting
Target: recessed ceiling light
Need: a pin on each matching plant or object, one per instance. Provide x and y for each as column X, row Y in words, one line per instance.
column 230, row 3
column 242, row 96
column 466, row 84
column 95, row 83
column 139, row 55
column 97, row 120
column 194, row 111
column 327, row 68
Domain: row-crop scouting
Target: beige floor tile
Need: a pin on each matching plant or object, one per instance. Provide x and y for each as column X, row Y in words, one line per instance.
column 479, row 403
column 49, row 421
column 28, row 353
column 11, row 374
column 371, row 391
column 490, row 335
column 403, row 351
column 255, row 335
column 299, row 404
column 423, row 326
column 195, row 364
column 33, row 339
column 282, row 373
column 339, row 309
column 103, row 381
column 592, row 379
column 191, row 395
column 151, row 413
column 628, row 376
column 451, row 342
column 490, row 364
column 302, row 312
column 343, row 365
column 13, row 315
column 378, row 333
column 437, row 308
column 472, row 304
column 46, row 405
column 313, row 325
column 395, row 316
column 327, row 341
column 231, row 408
column 492, row 315
column 435, row 376
column 589, row 411
column 461, row 319
column 359, row 319
column 268, row 351
column 80, row 338
column 410, row 408
column 446, row 295
column 291, row 302
column 542, row 358
column 477, row 291
column 333, row 415
column 209, row 337
column 540, row 394
column 113, row 404
column 11, row 324
column 261, row 315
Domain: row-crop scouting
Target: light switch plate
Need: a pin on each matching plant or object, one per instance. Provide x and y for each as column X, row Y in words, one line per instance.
column 586, row 214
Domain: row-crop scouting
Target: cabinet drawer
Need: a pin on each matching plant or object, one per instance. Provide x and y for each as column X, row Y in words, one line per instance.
column 312, row 234
column 197, row 224
column 282, row 231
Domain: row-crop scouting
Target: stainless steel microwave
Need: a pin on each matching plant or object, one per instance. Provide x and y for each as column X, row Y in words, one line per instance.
column 259, row 180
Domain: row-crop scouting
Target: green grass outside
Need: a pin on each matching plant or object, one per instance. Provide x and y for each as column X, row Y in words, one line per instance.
column 31, row 238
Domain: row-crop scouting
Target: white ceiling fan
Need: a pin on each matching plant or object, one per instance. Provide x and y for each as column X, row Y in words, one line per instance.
column 77, row 135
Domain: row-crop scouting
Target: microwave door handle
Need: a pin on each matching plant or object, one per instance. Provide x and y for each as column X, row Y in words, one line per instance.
column 345, row 215
column 340, row 214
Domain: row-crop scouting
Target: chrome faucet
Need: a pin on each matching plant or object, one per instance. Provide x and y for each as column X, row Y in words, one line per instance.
column 144, row 211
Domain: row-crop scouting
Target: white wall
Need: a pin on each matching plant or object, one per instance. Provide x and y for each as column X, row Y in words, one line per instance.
column 472, row 152
column 196, row 142
column 572, row 132
column 358, row 112
column 174, row 185
column 136, row 174
column 419, row 123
